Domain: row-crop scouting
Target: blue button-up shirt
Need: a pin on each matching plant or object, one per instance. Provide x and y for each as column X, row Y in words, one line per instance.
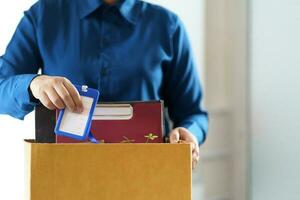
column 131, row 51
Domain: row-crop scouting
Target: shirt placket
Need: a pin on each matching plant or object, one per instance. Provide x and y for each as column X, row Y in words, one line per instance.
column 104, row 61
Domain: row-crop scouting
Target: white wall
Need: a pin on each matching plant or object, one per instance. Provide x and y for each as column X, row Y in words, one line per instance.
column 224, row 169
column 12, row 131
column 275, row 99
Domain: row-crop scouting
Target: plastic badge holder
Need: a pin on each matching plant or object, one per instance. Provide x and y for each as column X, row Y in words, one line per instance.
column 78, row 125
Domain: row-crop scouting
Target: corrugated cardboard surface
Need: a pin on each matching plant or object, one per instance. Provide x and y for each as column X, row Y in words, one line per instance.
column 108, row 171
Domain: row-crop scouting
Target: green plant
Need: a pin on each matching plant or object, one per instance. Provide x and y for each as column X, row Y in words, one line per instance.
column 151, row 137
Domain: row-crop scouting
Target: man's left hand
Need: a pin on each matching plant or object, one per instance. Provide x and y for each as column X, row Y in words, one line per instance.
column 185, row 135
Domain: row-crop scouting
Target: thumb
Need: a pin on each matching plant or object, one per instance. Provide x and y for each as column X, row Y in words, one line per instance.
column 174, row 136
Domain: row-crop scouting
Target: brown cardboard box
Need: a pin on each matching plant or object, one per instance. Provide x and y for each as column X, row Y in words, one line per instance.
column 108, row 171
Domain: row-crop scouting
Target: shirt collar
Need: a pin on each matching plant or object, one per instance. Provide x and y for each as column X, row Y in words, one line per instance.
column 126, row 8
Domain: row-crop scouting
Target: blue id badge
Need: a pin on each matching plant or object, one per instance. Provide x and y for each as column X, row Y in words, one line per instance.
column 78, row 125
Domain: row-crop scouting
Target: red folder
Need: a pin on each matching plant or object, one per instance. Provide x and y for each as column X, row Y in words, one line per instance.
column 132, row 122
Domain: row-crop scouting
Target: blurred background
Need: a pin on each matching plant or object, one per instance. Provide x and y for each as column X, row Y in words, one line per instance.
column 248, row 59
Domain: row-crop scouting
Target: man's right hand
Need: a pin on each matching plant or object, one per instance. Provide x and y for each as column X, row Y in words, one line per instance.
column 56, row 92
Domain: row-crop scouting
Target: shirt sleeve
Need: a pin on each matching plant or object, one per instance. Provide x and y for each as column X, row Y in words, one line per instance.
column 184, row 93
column 18, row 66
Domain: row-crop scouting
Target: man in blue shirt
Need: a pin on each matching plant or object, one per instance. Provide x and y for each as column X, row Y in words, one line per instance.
column 129, row 50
